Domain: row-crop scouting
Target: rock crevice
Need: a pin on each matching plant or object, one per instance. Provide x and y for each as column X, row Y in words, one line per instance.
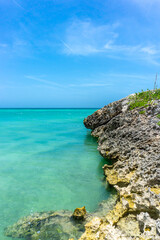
column 131, row 141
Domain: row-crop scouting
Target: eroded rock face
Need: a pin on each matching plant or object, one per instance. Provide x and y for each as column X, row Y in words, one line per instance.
column 104, row 115
column 79, row 213
column 132, row 141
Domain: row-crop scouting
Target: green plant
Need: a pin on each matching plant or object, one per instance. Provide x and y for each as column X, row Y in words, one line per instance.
column 158, row 116
column 158, row 123
column 144, row 98
column 142, row 112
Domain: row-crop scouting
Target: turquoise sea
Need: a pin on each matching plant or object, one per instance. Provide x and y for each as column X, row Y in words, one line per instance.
column 48, row 161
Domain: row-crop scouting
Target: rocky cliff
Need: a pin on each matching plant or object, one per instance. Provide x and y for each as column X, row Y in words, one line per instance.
column 131, row 140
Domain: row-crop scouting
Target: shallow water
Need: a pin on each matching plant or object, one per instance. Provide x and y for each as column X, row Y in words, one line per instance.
column 48, row 161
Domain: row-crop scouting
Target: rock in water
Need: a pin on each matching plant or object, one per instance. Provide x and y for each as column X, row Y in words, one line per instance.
column 131, row 140
column 79, row 213
column 46, row 226
column 59, row 225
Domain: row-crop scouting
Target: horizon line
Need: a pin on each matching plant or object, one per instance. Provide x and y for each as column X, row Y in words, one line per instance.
column 49, row 108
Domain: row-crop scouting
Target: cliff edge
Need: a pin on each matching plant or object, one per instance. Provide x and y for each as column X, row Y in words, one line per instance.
column 128, row 133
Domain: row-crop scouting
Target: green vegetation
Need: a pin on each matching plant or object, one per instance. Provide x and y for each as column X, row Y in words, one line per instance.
column 143, row 99
column 158, row 116
column 142, row 112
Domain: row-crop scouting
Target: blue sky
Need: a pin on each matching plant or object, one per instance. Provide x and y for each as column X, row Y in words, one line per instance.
column 77, row 53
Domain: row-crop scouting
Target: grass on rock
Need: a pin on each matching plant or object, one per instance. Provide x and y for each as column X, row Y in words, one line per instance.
column 144, row 98
column 142, row 112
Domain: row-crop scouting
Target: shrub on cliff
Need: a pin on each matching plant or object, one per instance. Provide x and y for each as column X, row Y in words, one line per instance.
column 144, row 98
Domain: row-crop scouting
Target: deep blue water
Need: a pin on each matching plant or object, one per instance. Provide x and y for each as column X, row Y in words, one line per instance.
column 48, row 161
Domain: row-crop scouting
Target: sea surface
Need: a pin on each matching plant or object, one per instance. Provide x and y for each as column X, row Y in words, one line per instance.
column 48, row 161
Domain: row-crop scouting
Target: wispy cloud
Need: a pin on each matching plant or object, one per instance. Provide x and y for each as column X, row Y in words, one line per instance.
column 149, row 8
column 137, row 49
column 54, row 84
column 50, row 83
column 146, row 3
column 20, row 47
column 128, row 77
column 3, row 45
column 17, row 47
column 67, row 46
column 134, row 76
column 18, row 4
column 149, row 50
column 91, row 85
column 84, row 37
column 111, row 46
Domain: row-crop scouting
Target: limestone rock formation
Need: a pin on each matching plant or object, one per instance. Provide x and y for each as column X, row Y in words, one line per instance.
column 131, row 140
column 79, row 213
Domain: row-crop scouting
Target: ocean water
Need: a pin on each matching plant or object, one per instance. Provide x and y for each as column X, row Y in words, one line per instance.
column 48, row 161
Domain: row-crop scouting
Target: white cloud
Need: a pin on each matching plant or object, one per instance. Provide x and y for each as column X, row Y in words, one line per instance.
column 149, row 53
column 149, row 7
column 108, row 45
column 124, row 75
column 49, row 83
column 3, row 45
column 146, row 3
column 149, row 50
column 126, row 49
column 120, row 48
column 84, row 37
column 90, row 85
column 54, row 84
column 18, row 4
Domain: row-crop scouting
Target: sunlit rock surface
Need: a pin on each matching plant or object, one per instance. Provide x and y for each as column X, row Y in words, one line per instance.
column 79, row 213
column 132, row 141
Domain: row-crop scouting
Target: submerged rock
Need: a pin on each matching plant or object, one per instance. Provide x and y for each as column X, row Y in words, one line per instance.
column 47, row 226
column 59, row 225
column 79, row 213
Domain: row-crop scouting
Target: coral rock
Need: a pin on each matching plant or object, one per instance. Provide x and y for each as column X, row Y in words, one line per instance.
column 131, row 140
column 79, row 213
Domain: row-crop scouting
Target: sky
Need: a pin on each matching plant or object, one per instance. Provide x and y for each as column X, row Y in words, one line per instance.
column 77, row 53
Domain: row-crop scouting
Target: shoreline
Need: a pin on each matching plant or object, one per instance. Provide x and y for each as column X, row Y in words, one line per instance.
column 91, row 171
column 130, row 138
column 58, row 225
